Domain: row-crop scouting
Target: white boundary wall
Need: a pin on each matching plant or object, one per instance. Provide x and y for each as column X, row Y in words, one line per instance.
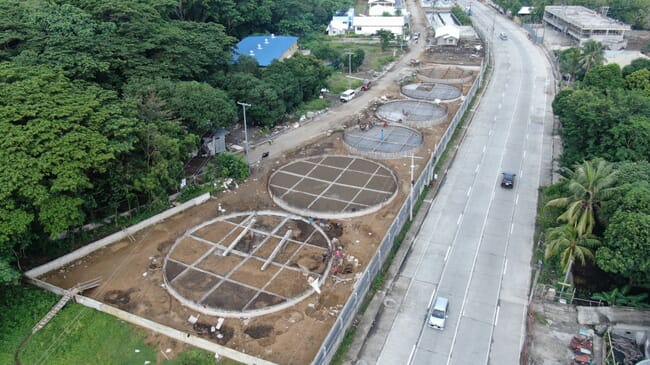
column 117, row 236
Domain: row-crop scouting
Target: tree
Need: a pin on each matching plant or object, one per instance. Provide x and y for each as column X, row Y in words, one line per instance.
column 620, row 297
column 626, row 248
column 630, row 139
column 589, row 183
column 200, row 107
column 569, row 60
column 604, row 77
column 639, row 80
column 385, row 37
column 636, row 65
column 592, row 54
column 566, row 242
column 233, row 166
column 56, row 135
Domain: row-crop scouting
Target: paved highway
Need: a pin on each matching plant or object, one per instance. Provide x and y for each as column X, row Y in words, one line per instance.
column 476, row 243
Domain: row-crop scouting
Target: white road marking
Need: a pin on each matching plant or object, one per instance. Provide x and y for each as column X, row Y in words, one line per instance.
column 496, row 318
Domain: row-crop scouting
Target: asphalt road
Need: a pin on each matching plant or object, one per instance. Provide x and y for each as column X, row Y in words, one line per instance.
column 476, row 243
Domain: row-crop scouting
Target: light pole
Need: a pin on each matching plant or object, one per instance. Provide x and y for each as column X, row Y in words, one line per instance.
column 244, row 105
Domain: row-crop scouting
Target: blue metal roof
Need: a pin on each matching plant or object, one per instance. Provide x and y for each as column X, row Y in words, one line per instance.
column 265, row 48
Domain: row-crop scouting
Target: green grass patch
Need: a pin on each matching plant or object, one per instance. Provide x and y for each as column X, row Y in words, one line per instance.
column 339, row 82
column 76, row 335
column 378, row 63
column 339, row 356
column 312, row 105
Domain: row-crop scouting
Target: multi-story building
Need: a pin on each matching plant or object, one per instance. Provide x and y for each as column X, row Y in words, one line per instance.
column 582, row 24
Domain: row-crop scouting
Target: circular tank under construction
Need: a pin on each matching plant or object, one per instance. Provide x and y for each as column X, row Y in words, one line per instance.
column 431, row 91
column 382, row 140
column 413, row 113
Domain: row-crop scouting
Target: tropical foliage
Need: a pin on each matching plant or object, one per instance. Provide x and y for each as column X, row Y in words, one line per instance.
column 604, row 207
column 103, row 103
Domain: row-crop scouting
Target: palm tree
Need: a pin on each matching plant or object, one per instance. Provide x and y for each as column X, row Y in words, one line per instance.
column 593, row 54
column 567, row 242
column 589, row 183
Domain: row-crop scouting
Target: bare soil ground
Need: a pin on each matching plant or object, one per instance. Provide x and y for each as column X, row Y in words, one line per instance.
column 132, row 278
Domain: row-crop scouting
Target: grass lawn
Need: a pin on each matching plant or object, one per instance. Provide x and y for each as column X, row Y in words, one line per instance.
column 77, row 335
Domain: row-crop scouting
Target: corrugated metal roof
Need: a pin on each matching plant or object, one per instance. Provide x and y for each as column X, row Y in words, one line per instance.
column 265, row 48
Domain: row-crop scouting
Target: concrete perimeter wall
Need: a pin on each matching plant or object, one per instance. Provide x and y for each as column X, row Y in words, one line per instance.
column 157, row 327
column 115, row 237
column 351, row 307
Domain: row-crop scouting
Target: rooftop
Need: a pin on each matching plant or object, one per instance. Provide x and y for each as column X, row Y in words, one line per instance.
column 265, row 49
column 585, row 18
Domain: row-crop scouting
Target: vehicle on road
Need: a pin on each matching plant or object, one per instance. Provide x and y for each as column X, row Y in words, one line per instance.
column 503, row 36
column 348, row 95
column 508, row 180
column 439, row 314
column 366, row 85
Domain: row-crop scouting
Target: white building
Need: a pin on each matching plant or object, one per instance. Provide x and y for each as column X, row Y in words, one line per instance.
column 341, row 22
column 369, row 25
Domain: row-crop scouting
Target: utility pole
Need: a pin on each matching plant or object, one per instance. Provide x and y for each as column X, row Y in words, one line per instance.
column 349, row 69
column 244, row 105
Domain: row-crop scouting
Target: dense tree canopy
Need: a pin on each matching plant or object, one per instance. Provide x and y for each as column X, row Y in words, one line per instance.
column 104, row 101
column 56, row 134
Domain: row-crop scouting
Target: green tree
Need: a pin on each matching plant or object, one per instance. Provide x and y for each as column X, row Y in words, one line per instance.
column 630, row 139
column 569, row 60
column 592, row 54
column 620, row 297
column 56, row 136
column 626, row 248
column 200, row 107
column 569, row 244
column 639, row 80
column 231, row 165
column 589, row 184
column 385, row 37
column 636, row 65
column 604, row 77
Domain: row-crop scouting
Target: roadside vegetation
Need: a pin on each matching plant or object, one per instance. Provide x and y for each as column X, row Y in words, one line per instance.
column 594, row 225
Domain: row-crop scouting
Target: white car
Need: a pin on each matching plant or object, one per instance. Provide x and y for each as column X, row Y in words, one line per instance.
column 348, row 95
column 438, row 315
column 503, row 36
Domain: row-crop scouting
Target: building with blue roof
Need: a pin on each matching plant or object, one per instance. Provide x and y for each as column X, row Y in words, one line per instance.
column 266, row 48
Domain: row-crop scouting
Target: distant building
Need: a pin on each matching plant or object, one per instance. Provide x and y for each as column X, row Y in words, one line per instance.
column 383, row 7
column 446, row 31
column 382, row 14
column 267, row 48
column 341, row 22
column 582, row 24
column 369, row 25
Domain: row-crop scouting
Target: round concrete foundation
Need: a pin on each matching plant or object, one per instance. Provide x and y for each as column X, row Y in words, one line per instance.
column 247, row 264
column 332, row 186
column 417, row 114
column 383, row 141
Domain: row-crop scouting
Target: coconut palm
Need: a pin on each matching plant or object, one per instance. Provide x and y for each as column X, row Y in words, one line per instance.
column 589, row 183
column 570, row 245
column 593, row 54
